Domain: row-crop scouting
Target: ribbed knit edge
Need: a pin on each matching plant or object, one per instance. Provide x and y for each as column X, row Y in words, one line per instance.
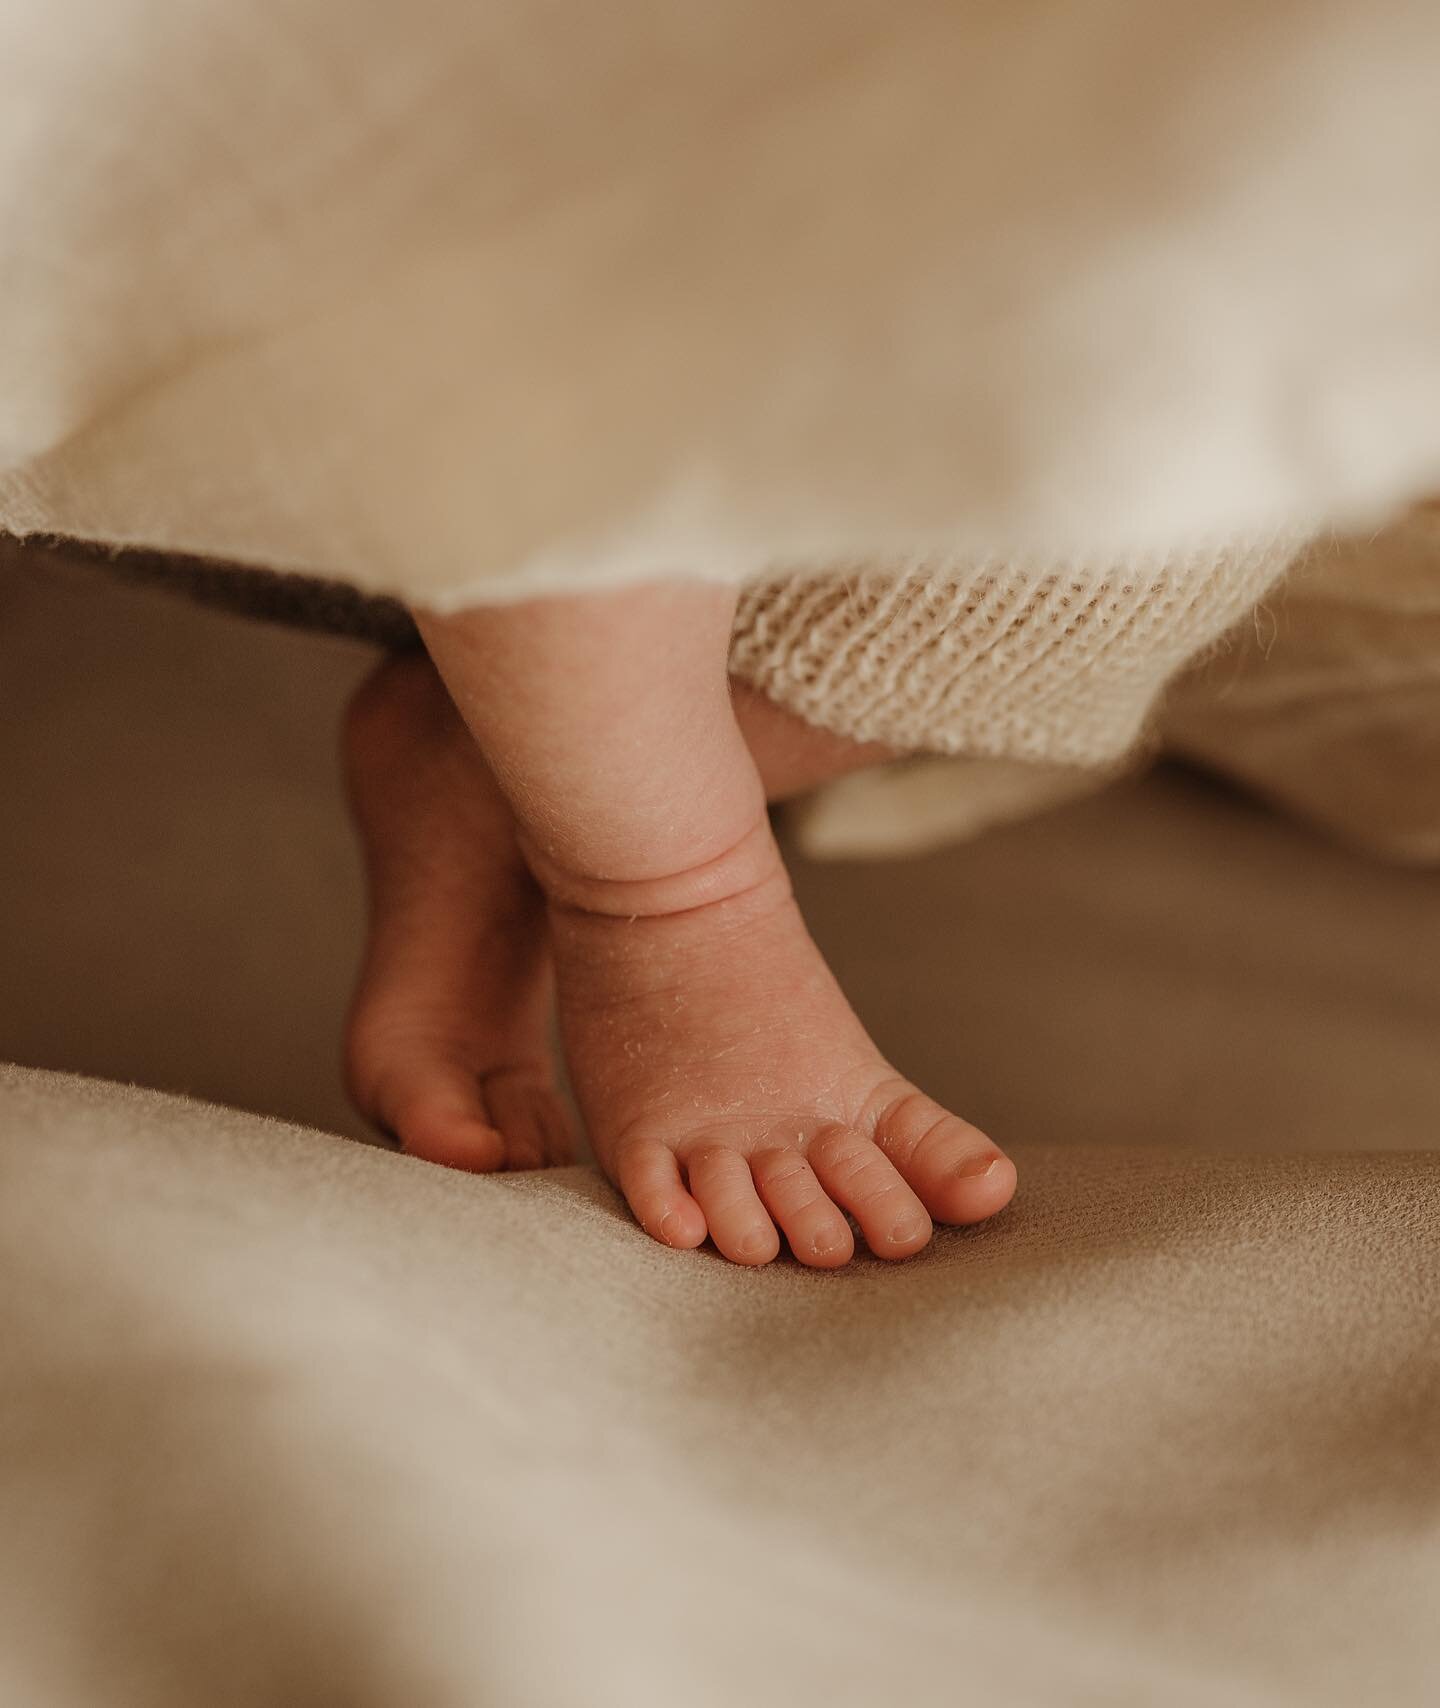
column 1054, row 663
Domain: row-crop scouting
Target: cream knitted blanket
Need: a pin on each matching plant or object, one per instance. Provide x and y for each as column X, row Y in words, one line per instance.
column 995, row 661
column 1325, row 698
column 995, row 346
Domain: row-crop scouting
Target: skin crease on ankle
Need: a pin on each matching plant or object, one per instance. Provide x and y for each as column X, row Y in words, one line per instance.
column 726, row 1084
column 607, row 721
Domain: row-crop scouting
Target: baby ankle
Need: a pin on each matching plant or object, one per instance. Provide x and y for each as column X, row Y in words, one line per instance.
column 748, row 864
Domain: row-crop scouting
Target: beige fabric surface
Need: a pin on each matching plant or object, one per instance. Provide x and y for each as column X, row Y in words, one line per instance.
column 289, row 1420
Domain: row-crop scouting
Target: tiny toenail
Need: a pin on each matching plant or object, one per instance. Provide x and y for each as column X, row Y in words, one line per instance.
column 753, row 1244
column 669, row 1224
column 904, row 1231
column 977, row 1167
column 825, row 1242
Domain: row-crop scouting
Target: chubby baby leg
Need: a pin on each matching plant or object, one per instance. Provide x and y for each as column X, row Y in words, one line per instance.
column 447, row 1045
column 725, row 1082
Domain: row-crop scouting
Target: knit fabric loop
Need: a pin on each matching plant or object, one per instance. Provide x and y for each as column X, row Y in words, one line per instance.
column 1054, row 663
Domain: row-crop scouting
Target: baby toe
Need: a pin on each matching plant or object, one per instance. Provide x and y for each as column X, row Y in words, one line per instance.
column 437, row 1130
column 722, row 1184
column 649, row 1176
column 428, row 1102
column 530, row 1116
column 861, row 1179
column 958, row 1173
column 817, row 1232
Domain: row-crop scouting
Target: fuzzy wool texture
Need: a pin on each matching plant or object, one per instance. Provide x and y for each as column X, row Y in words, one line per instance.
column 466, row 303
column 1060, row 666
column 1322, row 696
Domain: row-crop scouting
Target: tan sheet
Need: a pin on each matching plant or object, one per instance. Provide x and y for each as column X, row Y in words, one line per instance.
column 288, row 1420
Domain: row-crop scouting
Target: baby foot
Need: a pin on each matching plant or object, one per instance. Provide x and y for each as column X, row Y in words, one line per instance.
column 727, row 1085
column 448, row 1039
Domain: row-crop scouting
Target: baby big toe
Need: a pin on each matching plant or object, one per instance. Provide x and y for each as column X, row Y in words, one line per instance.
column 531, row 1116
column 957, row 1172
column 445, row 1130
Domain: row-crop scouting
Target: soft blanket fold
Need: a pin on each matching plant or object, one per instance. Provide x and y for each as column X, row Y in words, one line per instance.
column 291, row 1420
column 464, row 302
